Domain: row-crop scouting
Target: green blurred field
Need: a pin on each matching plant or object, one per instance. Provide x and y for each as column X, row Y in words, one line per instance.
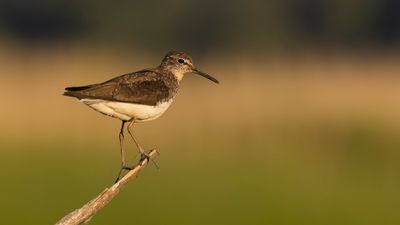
column 305, row 139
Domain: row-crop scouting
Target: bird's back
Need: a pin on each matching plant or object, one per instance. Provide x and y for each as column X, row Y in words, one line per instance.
column 147, row 87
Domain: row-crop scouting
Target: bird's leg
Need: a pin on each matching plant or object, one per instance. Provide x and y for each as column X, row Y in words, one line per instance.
column 121, row 143
column 143, row 154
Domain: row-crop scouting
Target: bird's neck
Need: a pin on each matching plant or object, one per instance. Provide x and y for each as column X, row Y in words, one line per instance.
column 172, row 83
column 177, row 74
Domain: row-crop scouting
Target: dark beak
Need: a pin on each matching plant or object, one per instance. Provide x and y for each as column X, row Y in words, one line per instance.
column 194, row 70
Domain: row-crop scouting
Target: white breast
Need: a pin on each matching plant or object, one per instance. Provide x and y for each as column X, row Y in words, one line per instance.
column 128, row 111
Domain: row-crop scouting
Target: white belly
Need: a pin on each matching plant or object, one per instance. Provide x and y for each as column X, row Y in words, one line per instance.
column 128, row 111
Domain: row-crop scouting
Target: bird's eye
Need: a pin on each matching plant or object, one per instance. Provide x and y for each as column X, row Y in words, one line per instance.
column 181, row 61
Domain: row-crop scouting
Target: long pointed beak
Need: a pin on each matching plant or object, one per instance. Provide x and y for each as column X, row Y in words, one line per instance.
column 194, row 70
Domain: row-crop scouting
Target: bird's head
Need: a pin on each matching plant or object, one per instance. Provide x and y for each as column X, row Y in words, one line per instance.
column 179, row 63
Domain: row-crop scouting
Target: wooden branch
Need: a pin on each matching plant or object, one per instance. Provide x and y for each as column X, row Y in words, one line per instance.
column 86, row 212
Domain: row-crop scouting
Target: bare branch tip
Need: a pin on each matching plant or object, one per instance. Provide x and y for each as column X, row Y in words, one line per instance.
column 87, row 211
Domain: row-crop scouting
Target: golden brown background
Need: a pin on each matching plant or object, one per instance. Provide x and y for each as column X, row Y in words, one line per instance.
column 303, row 129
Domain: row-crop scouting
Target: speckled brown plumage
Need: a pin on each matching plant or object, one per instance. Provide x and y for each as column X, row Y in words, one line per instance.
column 147, row 87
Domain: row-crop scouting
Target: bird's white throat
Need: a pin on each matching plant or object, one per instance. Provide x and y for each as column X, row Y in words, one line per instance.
column 178, row 74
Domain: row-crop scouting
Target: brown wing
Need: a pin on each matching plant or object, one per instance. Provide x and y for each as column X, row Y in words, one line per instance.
column 142, row 87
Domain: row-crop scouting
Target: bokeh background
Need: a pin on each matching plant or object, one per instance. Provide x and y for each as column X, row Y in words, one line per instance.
column 303, row 129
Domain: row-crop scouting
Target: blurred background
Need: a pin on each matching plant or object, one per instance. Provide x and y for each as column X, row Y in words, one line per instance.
column 303, row 129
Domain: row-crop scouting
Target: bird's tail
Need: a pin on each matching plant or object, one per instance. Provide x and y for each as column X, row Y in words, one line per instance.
column 79, row 88
column 75, row 91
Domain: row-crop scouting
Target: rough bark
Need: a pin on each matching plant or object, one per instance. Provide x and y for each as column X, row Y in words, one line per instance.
column 87, row 211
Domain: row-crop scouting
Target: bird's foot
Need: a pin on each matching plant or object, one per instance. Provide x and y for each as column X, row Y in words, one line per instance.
column 123, row 167
column 126, row 168
column 144, row 155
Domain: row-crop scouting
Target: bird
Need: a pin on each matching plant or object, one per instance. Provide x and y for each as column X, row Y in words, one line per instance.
column 139, row 96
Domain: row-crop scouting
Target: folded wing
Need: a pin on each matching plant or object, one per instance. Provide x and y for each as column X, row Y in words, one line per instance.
column 143, row 87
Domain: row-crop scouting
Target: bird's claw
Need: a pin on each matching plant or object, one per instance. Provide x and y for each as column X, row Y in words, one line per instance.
column 126, row 168
column 123, row 167
column 144, row 156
